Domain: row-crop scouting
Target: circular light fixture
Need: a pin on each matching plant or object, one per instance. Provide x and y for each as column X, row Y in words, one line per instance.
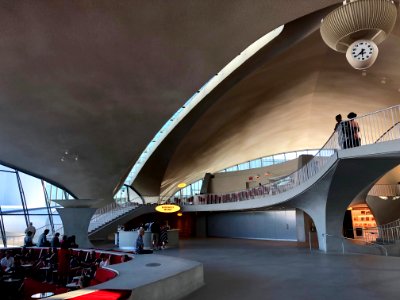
column 167, row 208
column 358, row 19
column 179, row 214
column 357, row 27
column 182, row 185
column 383, row 197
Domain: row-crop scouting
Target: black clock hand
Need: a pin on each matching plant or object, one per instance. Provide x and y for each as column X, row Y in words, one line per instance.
column 361, row 53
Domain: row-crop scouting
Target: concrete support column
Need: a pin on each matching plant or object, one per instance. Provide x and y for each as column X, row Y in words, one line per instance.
column 318, row 216
column 300, row 226
column 76, row 222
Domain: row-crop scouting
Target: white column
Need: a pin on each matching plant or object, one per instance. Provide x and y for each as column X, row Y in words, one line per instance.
column 76, row 222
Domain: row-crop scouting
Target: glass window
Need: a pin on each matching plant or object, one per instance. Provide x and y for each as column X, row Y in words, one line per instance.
column 11, row 204
column 256, row 163
column 244, row 166
column 33, row 191
column 267, row 161
column 232, row 169
column 10, row 197
column 279, row 158
column 291, row 155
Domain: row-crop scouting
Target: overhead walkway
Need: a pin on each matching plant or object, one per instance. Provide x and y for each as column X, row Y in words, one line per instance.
column 327, row 184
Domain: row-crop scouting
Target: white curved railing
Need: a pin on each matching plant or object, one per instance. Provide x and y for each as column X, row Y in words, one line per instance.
column 342, row 239
column 110, row 212
column 377, row 127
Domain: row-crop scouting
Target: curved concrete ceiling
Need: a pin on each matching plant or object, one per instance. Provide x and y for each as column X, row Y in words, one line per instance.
column 99, row 78
column 287, row 104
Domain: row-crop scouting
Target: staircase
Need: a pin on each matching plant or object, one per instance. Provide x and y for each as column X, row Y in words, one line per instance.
column 108, row 213
column 106, row 220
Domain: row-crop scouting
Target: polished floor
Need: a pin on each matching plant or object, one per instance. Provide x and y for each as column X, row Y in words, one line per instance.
column 251, row 269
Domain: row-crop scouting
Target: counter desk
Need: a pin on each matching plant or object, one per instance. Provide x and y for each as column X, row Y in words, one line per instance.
column 127, row 239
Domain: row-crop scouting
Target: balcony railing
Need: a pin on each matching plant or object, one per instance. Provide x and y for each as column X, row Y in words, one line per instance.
column 377, row 127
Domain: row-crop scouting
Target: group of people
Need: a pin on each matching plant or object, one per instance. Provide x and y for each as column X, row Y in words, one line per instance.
column 348, row 131
column 159, row 237
column 53, row 265
column 55, row 242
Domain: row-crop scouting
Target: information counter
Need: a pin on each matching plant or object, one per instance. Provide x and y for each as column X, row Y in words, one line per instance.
column 127, row 239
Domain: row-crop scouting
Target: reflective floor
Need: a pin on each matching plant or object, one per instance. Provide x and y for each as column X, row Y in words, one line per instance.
column 249, row 269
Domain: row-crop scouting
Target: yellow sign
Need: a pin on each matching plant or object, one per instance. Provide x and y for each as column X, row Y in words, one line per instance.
column 167, row 208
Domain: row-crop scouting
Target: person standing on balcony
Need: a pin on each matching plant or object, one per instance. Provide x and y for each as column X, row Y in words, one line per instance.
column 354, row 129
column 31, row 228
column 340, row 128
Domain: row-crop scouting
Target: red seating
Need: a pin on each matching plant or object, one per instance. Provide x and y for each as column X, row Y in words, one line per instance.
column 115, row 259
column 102, row 275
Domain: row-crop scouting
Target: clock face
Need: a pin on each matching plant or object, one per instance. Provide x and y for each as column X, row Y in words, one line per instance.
column 362, row 51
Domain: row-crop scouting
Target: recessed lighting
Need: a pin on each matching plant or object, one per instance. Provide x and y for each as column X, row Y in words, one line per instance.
column 364, row 73
column 383, row 80
column 383, row 197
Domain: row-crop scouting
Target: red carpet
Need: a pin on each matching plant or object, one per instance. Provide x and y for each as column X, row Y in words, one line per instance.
column 105, row 295
column 32, row 286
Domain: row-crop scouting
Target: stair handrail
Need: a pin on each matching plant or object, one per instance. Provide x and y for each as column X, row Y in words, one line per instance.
column 110, row 212
column 343, row 238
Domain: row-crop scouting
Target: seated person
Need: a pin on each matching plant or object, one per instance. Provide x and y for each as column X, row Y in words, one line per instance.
column 30, row 256
column 43, row 242
column 64, row 242
column 55, row 241
column 71, row 242
column 28, row 242
column 81, row 257
column 88, row 274
column 41, row 263
column 139, row 243
column 7, row 262
column 18, row 272
column 52, row 257
column 91, row 260
column 74, row 265
column 125, row 258
column 104, row 261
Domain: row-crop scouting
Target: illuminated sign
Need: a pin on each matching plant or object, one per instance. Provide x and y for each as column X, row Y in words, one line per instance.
column 167, row 208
